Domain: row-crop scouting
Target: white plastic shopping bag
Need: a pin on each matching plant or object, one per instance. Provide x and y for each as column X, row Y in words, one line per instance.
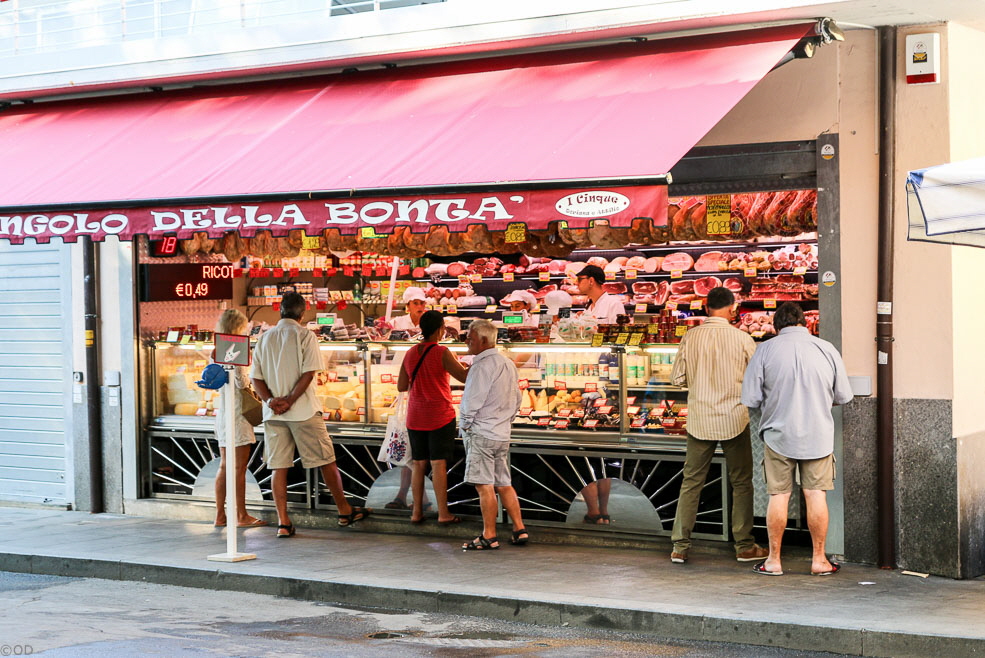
column 396, row 444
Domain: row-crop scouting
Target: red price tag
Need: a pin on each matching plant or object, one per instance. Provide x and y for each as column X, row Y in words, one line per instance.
column 668, row 422
column 631, row 399
column 562, row 424
column 317, row 271
column 598, row 403
column 564, row 413
column 463, row 278
column 524, row 384
column 333, row 376
column 543, row 422
column 320, row 306
column 362, row 379
column 332, row 271
column 361, row 411
column 295, row 271
column 264, row 272
column 367, row 270
column 525, row 411
column 275, row 306
column 605, row 410
column 578, row 413
column 347, row 271
column 769, row 303
column 381, row 270
column 403, row 270
column 630, row 274
column 632, row 411
column 238, row 272
column 278, row 272
column 507, row 276
column 638, row 422
column 456, row 398
column 544, row 276
column 560, row 386
column 386, row 378
column 677, row 274
column 591, row 387
column 672, row 306
column 201, row 411
column 591, row 422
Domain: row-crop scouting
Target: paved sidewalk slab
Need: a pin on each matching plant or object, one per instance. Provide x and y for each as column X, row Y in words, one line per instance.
column 712, row 598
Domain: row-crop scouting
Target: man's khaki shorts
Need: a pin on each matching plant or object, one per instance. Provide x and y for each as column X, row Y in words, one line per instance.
column 309, row 436
column 780, row 471
column 487, row 461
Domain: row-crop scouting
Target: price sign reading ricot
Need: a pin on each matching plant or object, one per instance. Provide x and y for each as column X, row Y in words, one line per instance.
column 366, row 217
column 185, row 282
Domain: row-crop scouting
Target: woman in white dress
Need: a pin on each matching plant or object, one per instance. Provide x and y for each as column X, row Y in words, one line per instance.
column 233, row 322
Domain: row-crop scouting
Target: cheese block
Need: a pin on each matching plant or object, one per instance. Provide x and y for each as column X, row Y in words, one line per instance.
column 349, row 415
column 541, row 402
column 351, row 403
column 181, row 381
column 185, row 409
column 180, row 396
column 330, row 402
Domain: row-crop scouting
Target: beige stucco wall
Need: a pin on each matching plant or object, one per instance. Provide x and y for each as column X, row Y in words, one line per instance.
column 833, row 92
column 966, row 95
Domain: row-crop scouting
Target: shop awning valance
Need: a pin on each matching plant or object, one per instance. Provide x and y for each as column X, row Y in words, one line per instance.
column 583, row 118
column 946, row 203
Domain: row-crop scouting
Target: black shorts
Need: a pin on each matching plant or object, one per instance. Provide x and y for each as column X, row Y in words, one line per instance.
column 428, row 445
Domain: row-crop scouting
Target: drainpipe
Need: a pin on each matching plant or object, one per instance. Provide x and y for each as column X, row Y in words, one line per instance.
column 93, row 402
column 884, row 317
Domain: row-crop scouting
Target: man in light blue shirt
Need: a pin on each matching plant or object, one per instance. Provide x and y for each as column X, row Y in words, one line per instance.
column 490, row 402
column 794, row 379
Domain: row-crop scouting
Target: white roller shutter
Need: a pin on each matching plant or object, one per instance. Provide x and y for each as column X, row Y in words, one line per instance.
column 35, row 357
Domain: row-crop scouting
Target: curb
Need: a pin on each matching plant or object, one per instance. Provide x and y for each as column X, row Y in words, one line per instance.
column 677, row 626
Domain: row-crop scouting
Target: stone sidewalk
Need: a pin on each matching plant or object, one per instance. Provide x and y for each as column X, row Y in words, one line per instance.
column 860, row 611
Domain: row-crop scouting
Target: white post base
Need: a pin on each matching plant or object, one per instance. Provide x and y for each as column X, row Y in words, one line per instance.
column 232, row 557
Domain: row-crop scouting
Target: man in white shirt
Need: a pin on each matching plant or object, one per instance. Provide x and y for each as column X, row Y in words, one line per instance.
column 603, row 307
column 285, row 361
column 794, row 379
column 490, row 402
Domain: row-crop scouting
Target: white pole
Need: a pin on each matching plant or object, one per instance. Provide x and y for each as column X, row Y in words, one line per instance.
column 232, row 505
column 393, row 284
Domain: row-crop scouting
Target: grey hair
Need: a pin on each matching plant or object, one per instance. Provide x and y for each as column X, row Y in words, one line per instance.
column 485, row 330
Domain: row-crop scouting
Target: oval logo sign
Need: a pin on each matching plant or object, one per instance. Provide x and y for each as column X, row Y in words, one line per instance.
column 592, row 203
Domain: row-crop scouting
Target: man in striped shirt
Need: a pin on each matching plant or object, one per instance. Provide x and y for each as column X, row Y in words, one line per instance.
column 711, row 362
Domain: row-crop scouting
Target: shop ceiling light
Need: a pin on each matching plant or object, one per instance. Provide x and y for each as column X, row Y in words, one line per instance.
column 559, row 348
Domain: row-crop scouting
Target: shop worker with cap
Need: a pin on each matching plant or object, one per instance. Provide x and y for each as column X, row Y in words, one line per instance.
column 285, row 361
column 711, row 362
column 416, row 303
column 523, row 302
column 794, row 379
column 603, row 307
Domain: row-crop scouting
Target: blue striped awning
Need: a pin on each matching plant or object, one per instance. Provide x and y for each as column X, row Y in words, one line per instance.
column 946, row 203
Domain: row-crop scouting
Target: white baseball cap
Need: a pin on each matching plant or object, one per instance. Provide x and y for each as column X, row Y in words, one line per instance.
column 556, row 300
column 521, row 296
column 414, row 293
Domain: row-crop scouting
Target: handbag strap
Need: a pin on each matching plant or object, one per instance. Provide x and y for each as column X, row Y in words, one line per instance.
column 420, row 362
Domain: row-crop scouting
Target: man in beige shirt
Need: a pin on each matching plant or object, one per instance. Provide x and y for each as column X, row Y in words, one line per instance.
column 285, row 361
column 711, row 362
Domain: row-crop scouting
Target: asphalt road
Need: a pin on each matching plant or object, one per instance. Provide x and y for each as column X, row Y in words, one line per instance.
column 55, row 616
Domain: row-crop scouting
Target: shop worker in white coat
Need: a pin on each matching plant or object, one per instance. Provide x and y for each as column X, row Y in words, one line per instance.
column 416, row 302
column 603, row 307
column 285, row 361
column 523, row 302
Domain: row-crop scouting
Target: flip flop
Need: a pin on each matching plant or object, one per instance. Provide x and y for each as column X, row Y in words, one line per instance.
column 452, row 521
column 761, row 569
column 256, row 523
column 835, row 568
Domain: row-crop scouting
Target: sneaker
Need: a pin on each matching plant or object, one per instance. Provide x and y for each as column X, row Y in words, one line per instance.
column 754, row 554
column 678, row 558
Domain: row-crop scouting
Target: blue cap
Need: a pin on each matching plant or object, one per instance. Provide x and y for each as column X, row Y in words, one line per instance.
column 213, row 377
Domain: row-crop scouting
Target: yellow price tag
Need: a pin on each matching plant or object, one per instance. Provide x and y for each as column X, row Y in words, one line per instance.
column 515, row 232
column 476, row 278
column 758, row 334
column 310, row 243
column 636, row 339
column 544, row 276
column 719, row 214
column 696, row 305
column 610, row 276
column 452, row 309
column 680, row 330
column 641, row 308
column 507, row 276
column 750, row 272
column 676, row 274
column 630, row 274
column 622, row 338
column 491, row 308
column 672, row 306
column 653, row 328
column 800, row 270
column 769, row 303
column 597, row 340
column 369, row 232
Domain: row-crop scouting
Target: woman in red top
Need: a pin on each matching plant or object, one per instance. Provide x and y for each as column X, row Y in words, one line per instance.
column 430, row 416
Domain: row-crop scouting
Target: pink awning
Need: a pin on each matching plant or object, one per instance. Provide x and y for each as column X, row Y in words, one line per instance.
column 624, row 112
